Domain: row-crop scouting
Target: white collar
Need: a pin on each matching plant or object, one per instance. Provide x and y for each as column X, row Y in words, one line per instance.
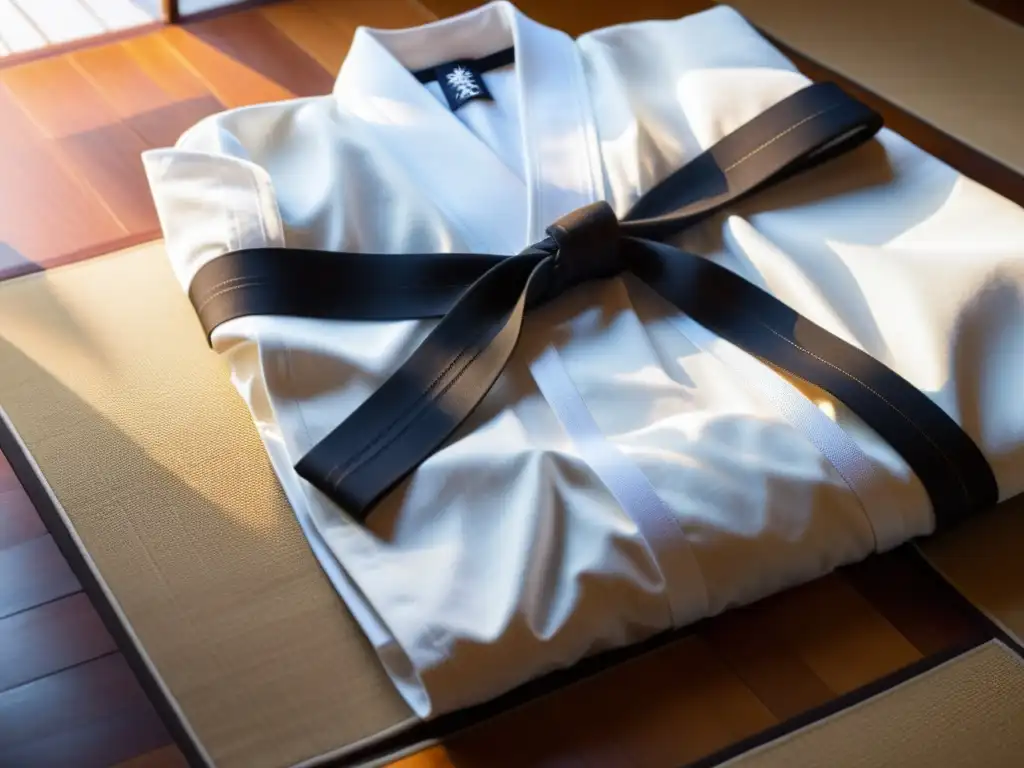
column 561, row 154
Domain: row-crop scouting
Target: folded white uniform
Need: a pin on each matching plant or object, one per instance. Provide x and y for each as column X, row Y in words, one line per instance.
column 505, row 555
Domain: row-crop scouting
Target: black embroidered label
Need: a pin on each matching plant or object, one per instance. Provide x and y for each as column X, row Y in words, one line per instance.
column 461, row 83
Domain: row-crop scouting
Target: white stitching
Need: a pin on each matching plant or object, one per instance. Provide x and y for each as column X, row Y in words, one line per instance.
column 776, row 138
column 222, row 283
column 936, row 446
column 348, row 465
column 210, row 298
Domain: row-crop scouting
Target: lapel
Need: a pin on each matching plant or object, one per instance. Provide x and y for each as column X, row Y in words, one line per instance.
column 492, row 207
column 559, row 134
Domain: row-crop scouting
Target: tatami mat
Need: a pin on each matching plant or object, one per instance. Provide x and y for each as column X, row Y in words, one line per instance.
column 110, row 385
column 952, row 63
column 966, row 713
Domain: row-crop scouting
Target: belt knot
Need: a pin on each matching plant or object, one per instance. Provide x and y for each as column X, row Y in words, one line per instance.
column 586, row 246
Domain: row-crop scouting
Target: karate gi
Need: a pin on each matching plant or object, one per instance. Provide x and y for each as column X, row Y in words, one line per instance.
column 512, row 551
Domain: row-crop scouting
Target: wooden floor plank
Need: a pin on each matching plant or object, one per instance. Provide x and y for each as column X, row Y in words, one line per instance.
column 57, row 97
column 325, row 28
column 233, row 83
column 165, row 757
column 304, row 25
column 667, row 708
column 120, row 79
column 163, row 127
column 839, row 635
column 579, row 16
column 87, row 136
column 98, row 745
column 110, row 157
column 249, row 39
column 33, row 573
column 157, row 58
column 132, row 78
column 19, row 521
column 185, row 98
column 68, row 700
column 50, row 638
column 432, row 757
column 92, row 715
column 750, row 642
column 47, row 211
column 392, row 14
column 444, row 8
column 8, row 480
column 915, row 601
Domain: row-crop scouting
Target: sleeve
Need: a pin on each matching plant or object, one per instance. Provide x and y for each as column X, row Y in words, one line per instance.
column 210, row 197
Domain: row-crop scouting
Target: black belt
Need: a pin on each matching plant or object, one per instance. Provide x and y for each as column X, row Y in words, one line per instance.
column 482, row 300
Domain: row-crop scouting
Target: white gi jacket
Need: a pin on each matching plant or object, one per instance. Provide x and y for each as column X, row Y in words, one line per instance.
column 512, row 551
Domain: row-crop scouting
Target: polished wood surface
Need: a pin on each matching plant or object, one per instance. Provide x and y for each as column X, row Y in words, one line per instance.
column 90, row 716
column 71, row 130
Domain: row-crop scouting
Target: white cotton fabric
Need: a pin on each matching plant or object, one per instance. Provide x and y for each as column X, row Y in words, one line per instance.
column 505, row 555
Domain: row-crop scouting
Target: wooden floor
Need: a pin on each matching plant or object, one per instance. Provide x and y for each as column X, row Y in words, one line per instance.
column 71, row 130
